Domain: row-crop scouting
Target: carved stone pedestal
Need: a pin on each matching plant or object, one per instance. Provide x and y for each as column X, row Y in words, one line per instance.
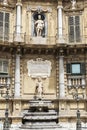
column 39, row 40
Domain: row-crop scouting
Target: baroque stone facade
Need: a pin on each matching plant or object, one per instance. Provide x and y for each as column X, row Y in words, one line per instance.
column 58, row 55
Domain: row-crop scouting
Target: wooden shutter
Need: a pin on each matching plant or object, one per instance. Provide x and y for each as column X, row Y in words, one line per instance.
column 71, row 29
column 83, row 68
column 68, row 67
column 1, row 25
column 74, row 28
column 77, row 28
column 6, row 25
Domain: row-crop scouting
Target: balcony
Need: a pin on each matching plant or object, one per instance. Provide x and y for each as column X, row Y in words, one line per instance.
column 76, row 81
column 49, row 40
column 4, row 80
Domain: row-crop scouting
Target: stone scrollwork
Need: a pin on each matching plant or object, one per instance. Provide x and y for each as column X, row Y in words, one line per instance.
column 39, row 68
column 73, row 5
column 39, row 9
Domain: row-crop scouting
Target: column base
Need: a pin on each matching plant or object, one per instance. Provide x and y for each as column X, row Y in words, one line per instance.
column 60, row 40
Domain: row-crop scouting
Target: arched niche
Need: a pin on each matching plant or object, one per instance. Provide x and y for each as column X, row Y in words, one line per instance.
column 34, row 20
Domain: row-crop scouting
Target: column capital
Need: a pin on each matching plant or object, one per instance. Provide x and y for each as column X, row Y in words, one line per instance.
column 59, row 7
column 61, row 53
column 19, row 3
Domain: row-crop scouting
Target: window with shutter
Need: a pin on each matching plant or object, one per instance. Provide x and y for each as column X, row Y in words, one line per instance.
column 74, row 28
column 76, row 68
column 3, row 67
column 4, row 26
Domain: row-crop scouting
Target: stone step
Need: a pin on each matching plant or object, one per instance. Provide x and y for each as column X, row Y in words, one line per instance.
column 44, row 127
column 40, row 117
column 42, row 123
column 41, row 113
column 40, row 129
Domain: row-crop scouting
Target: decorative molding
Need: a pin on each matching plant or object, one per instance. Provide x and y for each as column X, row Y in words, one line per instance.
column 39, row 9
column 61, row 52
column 69, row 7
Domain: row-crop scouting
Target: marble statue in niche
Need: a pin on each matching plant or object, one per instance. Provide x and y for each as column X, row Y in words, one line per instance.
column 39, row 25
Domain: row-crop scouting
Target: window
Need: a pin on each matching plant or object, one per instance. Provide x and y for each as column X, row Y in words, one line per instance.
column 74, row 28
column 76, row 68
column 4, row 25
column 3, row 67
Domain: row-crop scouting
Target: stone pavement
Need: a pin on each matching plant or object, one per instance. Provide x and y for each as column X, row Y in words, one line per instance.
column 61, row 126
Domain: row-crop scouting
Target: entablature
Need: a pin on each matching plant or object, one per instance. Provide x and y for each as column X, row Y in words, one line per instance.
column 43, row 49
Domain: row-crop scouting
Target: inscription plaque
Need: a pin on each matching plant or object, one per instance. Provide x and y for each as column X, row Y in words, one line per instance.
column 39, row 68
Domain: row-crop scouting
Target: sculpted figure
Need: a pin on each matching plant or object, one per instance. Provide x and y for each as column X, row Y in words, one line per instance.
column 39, row 26
column 73, row 3
column 39, row 89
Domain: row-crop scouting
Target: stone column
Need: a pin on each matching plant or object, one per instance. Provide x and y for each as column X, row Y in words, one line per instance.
column 60, row 24
column 57, row 76
column 61, row 77
column 18, row 16
column 18, row 39
column 17, row 36
column 17, row 76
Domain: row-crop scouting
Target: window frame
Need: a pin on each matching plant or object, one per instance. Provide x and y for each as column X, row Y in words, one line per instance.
column 74, row 26
column 2, row 70
column 82, row 68
column 5, row 36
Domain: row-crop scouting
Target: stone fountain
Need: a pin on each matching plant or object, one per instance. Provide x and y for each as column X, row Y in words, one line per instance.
column 40, row 116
